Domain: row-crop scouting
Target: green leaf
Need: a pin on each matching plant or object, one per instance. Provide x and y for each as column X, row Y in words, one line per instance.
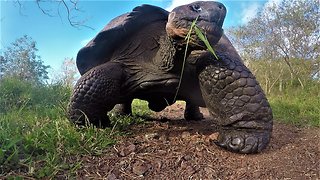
column 203, row 38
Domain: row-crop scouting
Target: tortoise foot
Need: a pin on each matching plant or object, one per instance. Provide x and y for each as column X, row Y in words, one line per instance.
column 80, row 119
column 192, row 112
column 123, row 109
column 193, row 116
column 243, row 140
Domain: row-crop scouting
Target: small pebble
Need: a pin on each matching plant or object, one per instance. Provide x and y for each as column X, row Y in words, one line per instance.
column 152, row 136
column 111, row 177
column 140, row 168
column 185, row 135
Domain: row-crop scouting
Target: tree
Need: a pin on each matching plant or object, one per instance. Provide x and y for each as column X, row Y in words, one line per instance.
column 69, row 71
column 21, row 60
column 2, row 68
column 289, row 31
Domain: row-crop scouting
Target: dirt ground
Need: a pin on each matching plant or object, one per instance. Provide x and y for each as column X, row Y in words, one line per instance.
column 172, row 148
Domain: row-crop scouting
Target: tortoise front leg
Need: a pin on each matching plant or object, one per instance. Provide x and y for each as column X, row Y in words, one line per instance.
column 235, row 98
column 96, row 93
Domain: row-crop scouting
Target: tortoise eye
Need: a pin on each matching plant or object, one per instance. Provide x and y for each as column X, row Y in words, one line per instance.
column 195, row 8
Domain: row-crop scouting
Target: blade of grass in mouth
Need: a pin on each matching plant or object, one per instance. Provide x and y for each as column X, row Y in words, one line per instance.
column 203, row 38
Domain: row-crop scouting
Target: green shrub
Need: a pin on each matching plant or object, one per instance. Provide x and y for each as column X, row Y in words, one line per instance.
column 16, row 95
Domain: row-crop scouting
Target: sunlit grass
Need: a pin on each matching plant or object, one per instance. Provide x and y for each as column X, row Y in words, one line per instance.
column 39, row 146
column 297, row 106
column 140, row 111
column 37, row 140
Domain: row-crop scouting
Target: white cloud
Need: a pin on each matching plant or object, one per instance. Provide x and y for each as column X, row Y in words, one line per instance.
column 252, row 10
column 176, row 3
column 249, row 12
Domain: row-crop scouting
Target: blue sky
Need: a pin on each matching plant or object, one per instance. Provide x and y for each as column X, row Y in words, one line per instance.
column 56, row 39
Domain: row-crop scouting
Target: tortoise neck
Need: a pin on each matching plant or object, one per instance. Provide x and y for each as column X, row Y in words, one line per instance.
column 170, row 54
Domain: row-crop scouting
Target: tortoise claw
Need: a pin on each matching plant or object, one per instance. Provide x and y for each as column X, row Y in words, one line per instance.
column 242, row 141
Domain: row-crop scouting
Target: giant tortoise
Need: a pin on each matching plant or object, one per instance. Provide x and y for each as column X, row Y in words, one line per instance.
column 140, row 54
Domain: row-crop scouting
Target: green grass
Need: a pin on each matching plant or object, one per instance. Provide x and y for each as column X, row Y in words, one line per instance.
column 297, row 106
column 39, row 146
column 36, row 138
column 140, row 111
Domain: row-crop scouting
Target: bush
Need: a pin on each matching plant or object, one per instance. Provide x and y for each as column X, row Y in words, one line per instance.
column 17, row 94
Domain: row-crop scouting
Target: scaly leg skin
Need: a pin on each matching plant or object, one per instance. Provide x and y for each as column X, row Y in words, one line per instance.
column 231, row 92
column 192, row 112
column 96, row 93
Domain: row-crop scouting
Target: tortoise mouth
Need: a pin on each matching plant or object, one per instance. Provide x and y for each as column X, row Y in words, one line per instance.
column 209, row 27
column 178, row 30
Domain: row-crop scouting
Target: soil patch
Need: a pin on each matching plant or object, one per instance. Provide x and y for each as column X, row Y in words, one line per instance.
column 171, row 148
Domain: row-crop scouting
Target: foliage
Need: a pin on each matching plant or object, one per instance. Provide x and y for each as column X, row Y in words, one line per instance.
column 68, row 73
column 16, row 94
column 290, row 29
column 204, row 39
column 21, row 60
column 287, row 32
column 297, row 106
column 140, row 111
column 275, row 76
column 41, row 145
column 36, row 138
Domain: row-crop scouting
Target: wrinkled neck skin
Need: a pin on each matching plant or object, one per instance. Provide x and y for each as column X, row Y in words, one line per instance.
column 170, row 55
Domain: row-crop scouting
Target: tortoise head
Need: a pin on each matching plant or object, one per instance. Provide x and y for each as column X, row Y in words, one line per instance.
column 210, row 16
